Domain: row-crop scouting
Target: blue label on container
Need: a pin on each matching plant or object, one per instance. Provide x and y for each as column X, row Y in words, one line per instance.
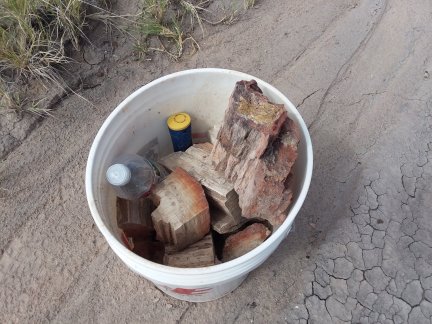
column 181, row 140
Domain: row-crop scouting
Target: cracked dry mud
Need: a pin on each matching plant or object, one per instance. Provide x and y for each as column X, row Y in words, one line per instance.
column 361, row 251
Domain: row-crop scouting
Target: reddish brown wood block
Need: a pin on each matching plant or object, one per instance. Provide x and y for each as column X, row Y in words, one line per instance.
column 182, row 215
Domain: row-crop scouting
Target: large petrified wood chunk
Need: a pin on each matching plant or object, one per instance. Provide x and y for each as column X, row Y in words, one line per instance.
column 182, row 216
column 256, row 148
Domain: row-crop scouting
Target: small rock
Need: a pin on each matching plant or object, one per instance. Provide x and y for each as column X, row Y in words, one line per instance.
column 93, row 55
column 244, row 241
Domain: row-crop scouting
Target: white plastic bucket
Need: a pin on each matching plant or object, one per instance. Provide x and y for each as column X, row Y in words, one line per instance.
column 139, row 124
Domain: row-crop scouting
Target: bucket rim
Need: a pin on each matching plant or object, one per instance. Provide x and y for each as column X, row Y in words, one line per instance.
column 117, row 246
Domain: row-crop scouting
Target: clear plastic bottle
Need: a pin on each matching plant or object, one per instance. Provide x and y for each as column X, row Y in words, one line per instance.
column 132, row 176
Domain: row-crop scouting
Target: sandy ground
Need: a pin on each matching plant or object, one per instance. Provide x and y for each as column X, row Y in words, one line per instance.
column 360, row 74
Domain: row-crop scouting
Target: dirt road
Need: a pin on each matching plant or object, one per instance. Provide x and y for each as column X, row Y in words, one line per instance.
column 360, row 73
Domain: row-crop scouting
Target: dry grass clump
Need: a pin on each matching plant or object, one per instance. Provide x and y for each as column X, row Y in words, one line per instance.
column 35, row 36
column 172, row 23
column 175, row 23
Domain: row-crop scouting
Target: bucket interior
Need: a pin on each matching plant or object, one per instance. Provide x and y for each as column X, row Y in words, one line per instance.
column 138, row 125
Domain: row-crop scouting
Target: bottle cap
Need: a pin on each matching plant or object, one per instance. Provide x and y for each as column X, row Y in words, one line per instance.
column 179, row 121
column 118, row 174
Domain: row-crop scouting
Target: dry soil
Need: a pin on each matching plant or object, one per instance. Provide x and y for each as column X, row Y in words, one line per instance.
column 360, row 73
